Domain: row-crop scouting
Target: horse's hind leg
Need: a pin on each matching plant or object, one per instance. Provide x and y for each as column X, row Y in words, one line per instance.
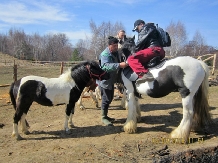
column 15, row 133
column 24, row 124
column 22, row 108
column 183, row 130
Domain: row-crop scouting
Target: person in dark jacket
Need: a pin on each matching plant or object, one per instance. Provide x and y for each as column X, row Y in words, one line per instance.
column 109, row 61
column 147, row 47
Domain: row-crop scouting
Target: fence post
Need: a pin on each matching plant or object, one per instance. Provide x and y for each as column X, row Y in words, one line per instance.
column 15, row 72
column 214, row 64
column 61, row 69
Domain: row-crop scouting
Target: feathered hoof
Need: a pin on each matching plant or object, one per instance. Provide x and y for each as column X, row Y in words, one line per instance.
column 176, row 134
column 130, row 127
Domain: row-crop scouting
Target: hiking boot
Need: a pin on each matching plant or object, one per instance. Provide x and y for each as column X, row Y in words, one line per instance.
column 146, row 77
column 106, row 121
column 110, row 119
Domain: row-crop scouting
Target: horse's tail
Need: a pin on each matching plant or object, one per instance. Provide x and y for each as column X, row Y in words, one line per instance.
column 13, row 100
column 201, row 105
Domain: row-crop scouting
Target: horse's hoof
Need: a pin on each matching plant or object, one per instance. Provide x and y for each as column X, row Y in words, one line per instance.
column 26, row 132
column 71, row 126
column 68, row 132
column 17, row 137
column 82, row 107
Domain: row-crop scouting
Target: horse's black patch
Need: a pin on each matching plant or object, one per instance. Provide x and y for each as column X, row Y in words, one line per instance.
column 33, row 90
column 168, row 80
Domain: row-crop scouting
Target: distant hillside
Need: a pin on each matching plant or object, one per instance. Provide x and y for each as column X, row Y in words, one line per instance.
column 7, row 60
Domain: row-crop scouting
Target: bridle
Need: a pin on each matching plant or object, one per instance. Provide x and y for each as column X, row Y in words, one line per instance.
column 92, row 74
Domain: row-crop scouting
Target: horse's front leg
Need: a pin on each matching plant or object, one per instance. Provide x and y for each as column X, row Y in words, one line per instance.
column 94, row 98
column 70, row 121
column 68, row 118
column 124, row 101
column 138, row 109
column 79, row 102
column 98, row 93
column 131, row 123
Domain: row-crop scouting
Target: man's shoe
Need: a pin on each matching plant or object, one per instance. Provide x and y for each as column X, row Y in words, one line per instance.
column 106, row 121
column 146, row 77
column 110, row 119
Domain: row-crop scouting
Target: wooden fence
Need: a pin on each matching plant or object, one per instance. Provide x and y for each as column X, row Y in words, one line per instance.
column 70, row 63
column 209, row 57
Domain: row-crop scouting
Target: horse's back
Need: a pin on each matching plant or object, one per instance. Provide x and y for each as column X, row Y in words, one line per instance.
column 186, row 68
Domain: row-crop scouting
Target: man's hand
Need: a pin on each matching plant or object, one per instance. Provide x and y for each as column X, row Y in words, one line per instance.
column 123, row 64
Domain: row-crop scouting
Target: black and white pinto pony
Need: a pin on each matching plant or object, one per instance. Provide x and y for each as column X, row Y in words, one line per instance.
column 184, row 74
column 66, row 89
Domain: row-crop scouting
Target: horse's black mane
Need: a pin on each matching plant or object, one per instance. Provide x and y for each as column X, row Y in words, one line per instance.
column 128, row 47
column 82, row 64
column 77, row 72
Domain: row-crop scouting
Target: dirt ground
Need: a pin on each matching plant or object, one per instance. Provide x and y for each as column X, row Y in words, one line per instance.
column 91, row 141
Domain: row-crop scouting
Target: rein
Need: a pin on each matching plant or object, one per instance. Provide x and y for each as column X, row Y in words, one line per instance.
column 92, row 74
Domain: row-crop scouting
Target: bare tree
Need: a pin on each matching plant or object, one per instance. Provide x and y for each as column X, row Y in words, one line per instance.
column 3, row 43
column 178, row 36
column 100, row 34
column 57, row 47
column 200, row 44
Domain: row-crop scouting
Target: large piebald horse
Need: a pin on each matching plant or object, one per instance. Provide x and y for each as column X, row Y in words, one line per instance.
column 184, row 74
column 66, row 89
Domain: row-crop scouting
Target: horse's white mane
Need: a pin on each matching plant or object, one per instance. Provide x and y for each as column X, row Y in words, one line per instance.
column 66, row 76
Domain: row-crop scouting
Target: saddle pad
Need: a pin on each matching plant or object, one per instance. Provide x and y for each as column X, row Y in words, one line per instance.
column 130, row 74
column 159, row 65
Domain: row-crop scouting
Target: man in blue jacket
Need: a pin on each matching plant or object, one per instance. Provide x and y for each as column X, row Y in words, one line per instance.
column 109, row 61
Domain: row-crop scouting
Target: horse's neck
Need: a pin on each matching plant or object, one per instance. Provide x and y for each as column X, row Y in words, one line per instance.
column 81, row 82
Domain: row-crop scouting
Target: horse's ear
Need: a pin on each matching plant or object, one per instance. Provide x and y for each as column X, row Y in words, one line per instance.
column 133, row 37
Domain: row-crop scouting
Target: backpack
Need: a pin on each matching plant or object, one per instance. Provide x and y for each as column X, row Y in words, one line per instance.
column 164, row 37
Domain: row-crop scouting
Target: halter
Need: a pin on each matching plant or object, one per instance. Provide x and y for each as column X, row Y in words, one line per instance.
column 92, row 74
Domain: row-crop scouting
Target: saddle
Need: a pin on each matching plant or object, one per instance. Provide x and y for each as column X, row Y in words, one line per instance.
column 155, row 62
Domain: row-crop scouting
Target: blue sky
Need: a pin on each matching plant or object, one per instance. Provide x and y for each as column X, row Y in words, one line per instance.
column 72, row 17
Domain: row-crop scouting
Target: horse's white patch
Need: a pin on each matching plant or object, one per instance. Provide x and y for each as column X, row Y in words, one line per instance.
column 58, row 89
column 186, row 63
column 143, row 87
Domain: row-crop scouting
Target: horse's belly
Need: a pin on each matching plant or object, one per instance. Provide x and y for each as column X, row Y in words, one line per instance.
column 149, row 89
column 144, row 87
column 59, row 96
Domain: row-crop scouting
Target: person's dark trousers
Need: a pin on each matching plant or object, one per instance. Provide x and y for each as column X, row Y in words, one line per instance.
column 106, row 97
